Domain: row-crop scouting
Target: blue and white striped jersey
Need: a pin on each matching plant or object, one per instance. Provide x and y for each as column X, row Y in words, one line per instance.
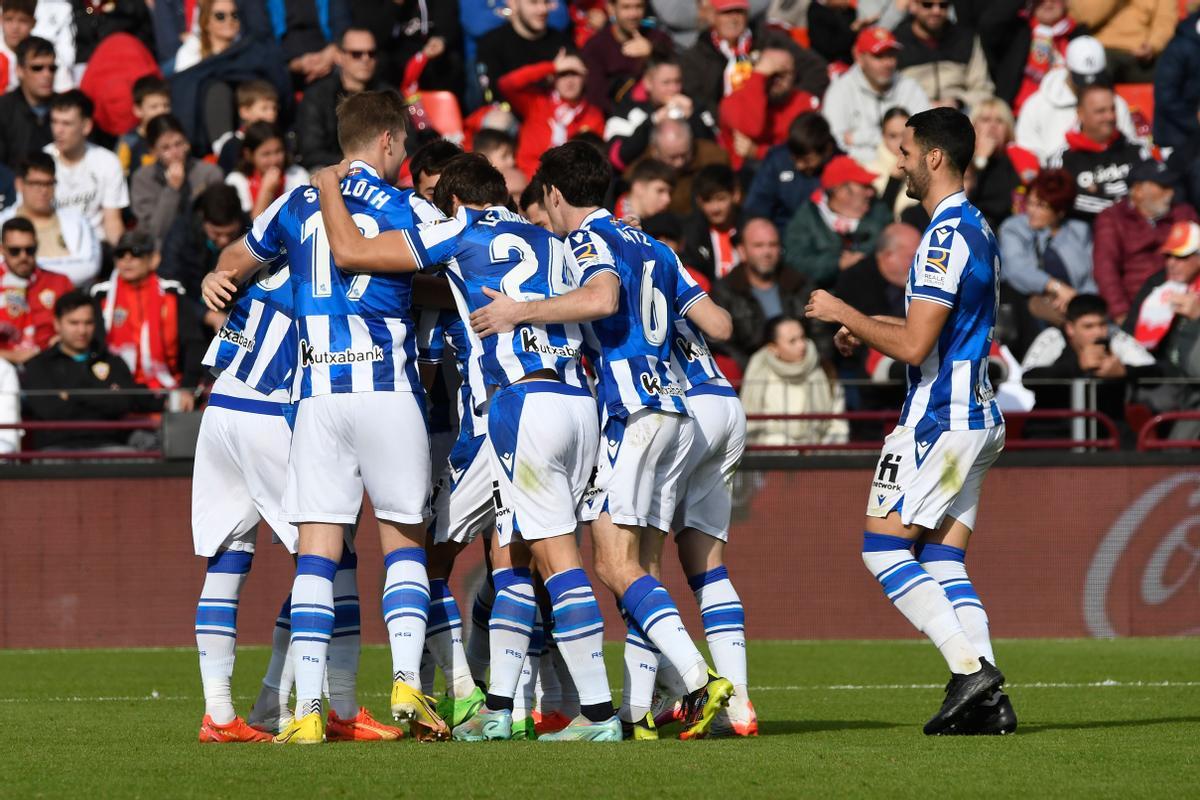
column 500, row 250
column 439, row 328
column 356, row 332
column 957, row 265
column 257, row 344
column 633, row 345
column 690, row 355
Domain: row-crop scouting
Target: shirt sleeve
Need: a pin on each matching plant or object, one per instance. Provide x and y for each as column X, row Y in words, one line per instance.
column 115, row 192
column 939, row 266
column 687, row 291
column 434, row 242
column 264, row 241
column 589, row 256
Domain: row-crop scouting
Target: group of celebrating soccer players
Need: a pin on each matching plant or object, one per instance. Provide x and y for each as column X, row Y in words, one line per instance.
column 588, row 397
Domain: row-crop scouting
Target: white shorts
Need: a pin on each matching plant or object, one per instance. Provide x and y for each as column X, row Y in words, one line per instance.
column 705, row 496
column 344, row 443
column 641, row 461
column 239, row 474
column 929, row 480
column 464, row 502
column 542, row 438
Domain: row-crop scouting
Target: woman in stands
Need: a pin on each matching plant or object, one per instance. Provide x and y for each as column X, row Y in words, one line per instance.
column 219, row 26
column 265, row 171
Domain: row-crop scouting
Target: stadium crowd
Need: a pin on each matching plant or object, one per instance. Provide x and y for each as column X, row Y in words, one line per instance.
column 138, row 138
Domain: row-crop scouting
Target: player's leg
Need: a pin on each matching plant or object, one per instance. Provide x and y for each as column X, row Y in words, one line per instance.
column 478, row 646
column 272, row 710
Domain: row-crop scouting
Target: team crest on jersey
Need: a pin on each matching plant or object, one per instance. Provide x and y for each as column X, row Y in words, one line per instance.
column 119, row 317
column 101, row 370
column 47, row 297
column 584, row 250
column 14, row 302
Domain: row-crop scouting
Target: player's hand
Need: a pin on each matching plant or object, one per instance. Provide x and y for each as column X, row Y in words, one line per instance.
column 1186, row 304
column 218, row 290
column 824, row 306
column 632, row 220
column 499, row 316
column 434, row 47
column 331, row 175
column 846, row 342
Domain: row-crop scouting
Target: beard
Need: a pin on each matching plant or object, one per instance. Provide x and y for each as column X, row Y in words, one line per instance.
column 916, row 184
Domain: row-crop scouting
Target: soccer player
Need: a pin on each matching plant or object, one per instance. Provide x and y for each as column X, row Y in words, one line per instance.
column 625, row 279
column 359, row 417
column 239, row 477
column 926, row 486
column 542, row 431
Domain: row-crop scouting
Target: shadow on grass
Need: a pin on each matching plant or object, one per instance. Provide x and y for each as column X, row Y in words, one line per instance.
column 781, row 727
column 1102, row 723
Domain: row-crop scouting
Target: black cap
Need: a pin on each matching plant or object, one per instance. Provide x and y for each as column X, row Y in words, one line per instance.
column 1153, row 171
column 138, row 242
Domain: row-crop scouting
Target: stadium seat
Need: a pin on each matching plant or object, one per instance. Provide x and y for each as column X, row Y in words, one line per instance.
column 1139, row 96
column 443, row 113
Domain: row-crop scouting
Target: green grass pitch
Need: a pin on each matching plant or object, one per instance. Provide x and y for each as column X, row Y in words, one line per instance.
column 1098, row 719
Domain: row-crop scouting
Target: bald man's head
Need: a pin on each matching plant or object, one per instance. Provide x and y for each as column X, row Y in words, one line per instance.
column 760, row 246
column 671, row 142
column 895, row 251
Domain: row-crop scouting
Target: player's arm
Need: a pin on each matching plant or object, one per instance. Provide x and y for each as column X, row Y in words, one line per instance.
column 599, row 297
column 387, row 252
column 235, row 266
column 910, row 340
column 713, row 321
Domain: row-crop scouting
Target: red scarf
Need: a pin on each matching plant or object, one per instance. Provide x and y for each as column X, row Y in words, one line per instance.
column 255, row 182
column 737, row 60
column 1076, row 140
column 1156, row 315
column 142, row 321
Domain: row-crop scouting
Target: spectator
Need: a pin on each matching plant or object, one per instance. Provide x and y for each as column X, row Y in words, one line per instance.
column 708, row 235
column 165, row 189
column 720, row 60
column 672, row 142
column 657, row 97
column 427, row 164
column 1090, row 346
column 27, row 316
column 549, row 117
column 944, row 57
column 219, row 27
column 1129, row 236
column 888, row 14
column 1046, row 256
column 481, row 17
column 855, row 102
column 90, row 178
column 264, row 172
column 650, row 186
column 832, row 28
column 67, row 243
column 1024, row 40
column 836, row 229
column 75, row 380
column 889, row 180
column 316, row 125
column 196, row 240
column 257, row 101
column 93, row 22
column 999, row 169
column 1176, row 90
column 758, row 290
column 16, row 22
column 151, row 98
column 26, row 110
column 875, row 285
column 617, row 55
column 685, row 20
column 1097, row 154
column 786, row 376
column 1133, row 33
column 310, row 31
column 498, row 147
column 759, row 113
column 1165, row 318
column 404, row 29
column 147, row 324
column 525, row 39
column 54, row 22
column 1050, row 112
column 791, row 171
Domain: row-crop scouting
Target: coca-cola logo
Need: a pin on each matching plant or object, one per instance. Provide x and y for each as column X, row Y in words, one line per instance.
column 1158, row 534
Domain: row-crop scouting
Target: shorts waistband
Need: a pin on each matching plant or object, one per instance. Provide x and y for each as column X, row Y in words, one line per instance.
column 547, row 386
column 712, row 388
column 250, row 406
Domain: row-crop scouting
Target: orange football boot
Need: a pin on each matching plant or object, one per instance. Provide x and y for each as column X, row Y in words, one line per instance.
column 553, row 722
column 236, row 731
column 361, row 728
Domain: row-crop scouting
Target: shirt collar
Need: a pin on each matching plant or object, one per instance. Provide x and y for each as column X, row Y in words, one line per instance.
column 595, row 216
column 956, row 199
column 365, row 167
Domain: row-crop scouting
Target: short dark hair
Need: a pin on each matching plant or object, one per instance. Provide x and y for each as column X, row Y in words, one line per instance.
column 32, row 47
column 251, row 91
column 354, row 29
column 39, row 161
column 1083, row 91
column 148, row 85
column 473, row 180
column 256, row 135
column 19, row 225
column 363, row 116
column 594, row 140
column 771, row 329
column 580, row 173
column 219, row 204
column 432, row 157
column 162, row 125
column 22, row 6
column 531, row 196
column 1055, row 188
column 1084, row 305
column 892, row 113
column 660, row 57
column 71, row 301
column 810, row 134
column 712, row 180
column 73, row 99
column 489, row 140
column 948, row 130
column 664, row 225
column 651, row 169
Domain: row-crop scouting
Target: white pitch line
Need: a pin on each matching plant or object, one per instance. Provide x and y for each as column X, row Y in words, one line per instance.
column 836, row 687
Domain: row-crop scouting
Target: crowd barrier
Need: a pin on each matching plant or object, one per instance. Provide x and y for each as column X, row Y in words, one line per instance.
column 1090, row 545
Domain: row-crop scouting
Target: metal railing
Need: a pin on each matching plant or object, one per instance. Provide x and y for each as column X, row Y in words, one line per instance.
column 1148, row 438
column 95, row 454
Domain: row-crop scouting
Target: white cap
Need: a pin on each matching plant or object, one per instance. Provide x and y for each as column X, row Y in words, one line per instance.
column 1085, row 57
